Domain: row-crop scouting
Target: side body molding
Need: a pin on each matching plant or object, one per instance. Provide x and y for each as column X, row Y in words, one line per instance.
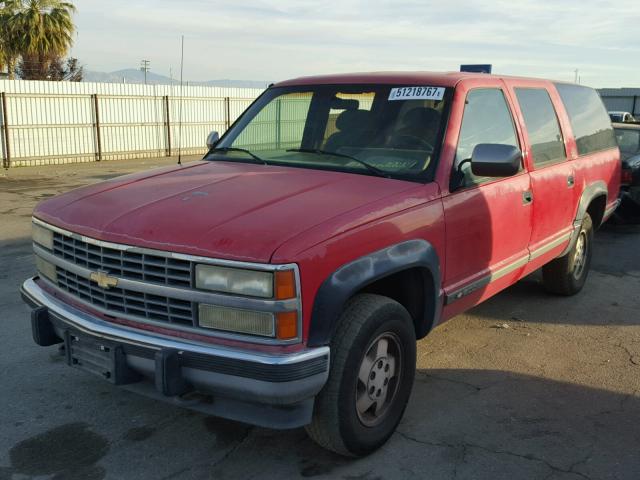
column 352, row 277
column 593, row 190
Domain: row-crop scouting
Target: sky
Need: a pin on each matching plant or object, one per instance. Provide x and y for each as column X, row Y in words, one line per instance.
column 275, row 40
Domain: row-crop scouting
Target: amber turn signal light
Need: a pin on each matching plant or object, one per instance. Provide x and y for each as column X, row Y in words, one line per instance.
column 285, row 284
column 287, row 325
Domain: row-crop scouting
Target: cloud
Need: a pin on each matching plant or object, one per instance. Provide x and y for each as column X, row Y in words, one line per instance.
column 273, row 40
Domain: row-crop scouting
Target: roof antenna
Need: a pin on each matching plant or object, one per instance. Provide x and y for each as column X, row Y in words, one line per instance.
column 180, row 106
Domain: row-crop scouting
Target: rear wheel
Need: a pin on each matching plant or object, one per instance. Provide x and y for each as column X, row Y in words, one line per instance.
column 371, row 377
column 566, row 275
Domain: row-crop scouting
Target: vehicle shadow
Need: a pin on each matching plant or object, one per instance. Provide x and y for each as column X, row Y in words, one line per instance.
column 481, row 424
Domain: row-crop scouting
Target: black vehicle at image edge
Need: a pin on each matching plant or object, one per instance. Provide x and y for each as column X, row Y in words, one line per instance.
column 628, row 137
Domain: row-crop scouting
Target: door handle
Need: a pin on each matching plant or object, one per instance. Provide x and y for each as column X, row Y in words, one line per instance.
column 571, row 181
column 527, row 197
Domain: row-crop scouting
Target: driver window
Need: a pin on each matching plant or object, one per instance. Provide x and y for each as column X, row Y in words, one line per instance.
column 486, row 119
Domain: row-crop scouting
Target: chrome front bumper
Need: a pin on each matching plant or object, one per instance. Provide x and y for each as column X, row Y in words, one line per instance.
column 272, row 390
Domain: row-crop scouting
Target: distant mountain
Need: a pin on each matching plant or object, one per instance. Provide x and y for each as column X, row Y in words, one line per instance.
column 132, row 75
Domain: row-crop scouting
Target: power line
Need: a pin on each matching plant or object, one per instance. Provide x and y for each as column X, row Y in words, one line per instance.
column 145, row 66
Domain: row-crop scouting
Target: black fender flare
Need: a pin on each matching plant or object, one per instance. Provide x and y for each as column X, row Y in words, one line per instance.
column 591, row 191
column 357, row 274
column 596, row 189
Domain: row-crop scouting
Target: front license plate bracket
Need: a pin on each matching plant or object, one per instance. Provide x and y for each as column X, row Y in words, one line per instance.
column 104, row 359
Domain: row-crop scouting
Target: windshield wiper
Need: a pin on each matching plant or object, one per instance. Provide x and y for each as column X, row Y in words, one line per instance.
column 236, row 149
column 368, row 166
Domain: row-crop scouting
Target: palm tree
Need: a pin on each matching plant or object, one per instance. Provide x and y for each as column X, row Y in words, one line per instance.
column 40, row 30
column 8, row 47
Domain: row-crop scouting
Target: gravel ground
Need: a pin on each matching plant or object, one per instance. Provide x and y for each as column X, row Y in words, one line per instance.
column 525, row 386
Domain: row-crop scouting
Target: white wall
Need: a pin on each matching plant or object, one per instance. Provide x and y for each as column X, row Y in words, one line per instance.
column 55, row 122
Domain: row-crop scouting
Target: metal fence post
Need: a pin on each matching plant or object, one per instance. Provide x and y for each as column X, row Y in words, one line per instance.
column 227, row 113
column 278, row 120
column 96, row 111
column 5, row 129
column 168, row 124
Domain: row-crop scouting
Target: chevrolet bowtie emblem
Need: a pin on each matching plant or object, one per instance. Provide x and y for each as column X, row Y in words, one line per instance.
column 103, row 279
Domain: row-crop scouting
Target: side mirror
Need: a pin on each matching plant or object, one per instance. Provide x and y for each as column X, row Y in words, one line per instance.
column 495, row 160
column 212, row 139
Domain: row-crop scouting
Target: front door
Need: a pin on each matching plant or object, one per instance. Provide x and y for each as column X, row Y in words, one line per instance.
column 488, row 220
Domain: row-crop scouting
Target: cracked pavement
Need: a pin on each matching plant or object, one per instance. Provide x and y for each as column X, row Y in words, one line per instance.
column 524, row 386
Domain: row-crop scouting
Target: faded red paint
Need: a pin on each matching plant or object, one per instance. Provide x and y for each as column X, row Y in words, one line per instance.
column 322, row 220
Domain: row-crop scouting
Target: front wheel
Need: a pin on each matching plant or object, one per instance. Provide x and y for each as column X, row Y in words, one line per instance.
column 566, row 275
column 370, row 380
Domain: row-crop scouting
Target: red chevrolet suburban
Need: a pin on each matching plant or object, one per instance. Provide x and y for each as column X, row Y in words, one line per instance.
column 284, row 279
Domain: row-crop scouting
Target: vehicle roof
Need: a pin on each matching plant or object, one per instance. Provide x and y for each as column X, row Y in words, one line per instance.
column 618, row 112
column 631, row 126
column 441, row 79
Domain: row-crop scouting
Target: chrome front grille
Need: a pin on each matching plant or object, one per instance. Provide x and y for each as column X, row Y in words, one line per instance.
column 144, row 267
column 123, row 264
column 118, row 300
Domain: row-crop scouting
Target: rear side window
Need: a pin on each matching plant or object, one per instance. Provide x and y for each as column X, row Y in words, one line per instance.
column 486, row 119
column 589, row 120
column 542, row 125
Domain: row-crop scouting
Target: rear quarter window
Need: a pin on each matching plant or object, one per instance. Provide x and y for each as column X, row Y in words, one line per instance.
column 589, row 120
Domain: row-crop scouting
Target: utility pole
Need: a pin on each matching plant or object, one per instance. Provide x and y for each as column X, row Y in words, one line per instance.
column 576, row 78
column 145, row 67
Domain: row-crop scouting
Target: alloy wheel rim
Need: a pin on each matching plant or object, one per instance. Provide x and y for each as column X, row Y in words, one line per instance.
column 378, row 378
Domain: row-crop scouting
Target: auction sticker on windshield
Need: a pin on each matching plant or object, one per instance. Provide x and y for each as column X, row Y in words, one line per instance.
column 416, row 93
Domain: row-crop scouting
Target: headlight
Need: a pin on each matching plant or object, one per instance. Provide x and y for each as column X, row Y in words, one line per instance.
column 46, row 269
column 283, row 325
column 280, row 284
column 252, row 283
column 42, row 236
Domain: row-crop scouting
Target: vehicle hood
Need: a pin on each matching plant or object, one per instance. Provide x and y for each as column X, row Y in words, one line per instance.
column 226, row 210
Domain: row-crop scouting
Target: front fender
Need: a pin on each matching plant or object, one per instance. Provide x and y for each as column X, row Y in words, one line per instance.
column 354, row 276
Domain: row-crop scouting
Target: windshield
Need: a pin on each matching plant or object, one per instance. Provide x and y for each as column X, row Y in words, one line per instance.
column 628, row 141
column 385, row 130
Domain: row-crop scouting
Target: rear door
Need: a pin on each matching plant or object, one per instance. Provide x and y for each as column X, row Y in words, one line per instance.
column 596, row 157
column 488, row 220
column 553, row 181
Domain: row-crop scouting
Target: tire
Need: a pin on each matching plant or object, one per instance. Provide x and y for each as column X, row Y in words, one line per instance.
column 342, row 424
column 566, row 275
